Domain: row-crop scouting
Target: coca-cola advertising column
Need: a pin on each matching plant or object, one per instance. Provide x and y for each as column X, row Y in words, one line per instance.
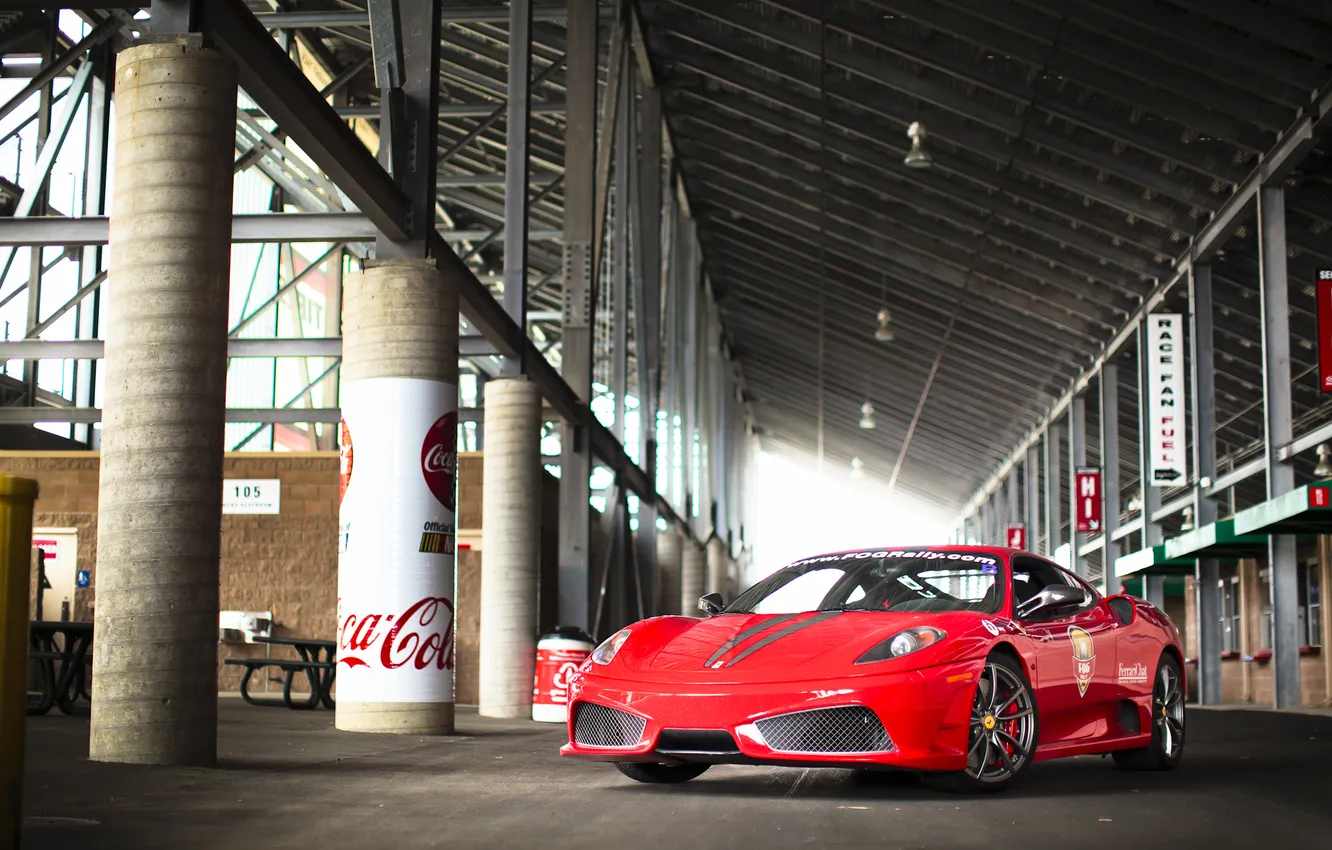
column 396, row 541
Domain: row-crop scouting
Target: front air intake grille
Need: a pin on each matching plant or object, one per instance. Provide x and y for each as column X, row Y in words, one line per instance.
column 602, row 726
column 1122, row 608
column 846, row 729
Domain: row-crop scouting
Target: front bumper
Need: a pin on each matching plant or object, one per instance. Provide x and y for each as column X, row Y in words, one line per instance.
column 926, row 714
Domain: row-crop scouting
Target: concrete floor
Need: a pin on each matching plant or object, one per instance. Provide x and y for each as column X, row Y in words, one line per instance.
column 288, row 780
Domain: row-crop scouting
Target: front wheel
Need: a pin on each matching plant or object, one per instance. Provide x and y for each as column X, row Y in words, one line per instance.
column 1167, row 745
column 1004, row 726
column 645, row 772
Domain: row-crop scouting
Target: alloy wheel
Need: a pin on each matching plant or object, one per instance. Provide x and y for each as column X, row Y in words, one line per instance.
column 1168, row 711
column 1003, row 725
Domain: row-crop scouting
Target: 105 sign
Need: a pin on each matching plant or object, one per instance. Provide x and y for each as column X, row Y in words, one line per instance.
column 251, row 496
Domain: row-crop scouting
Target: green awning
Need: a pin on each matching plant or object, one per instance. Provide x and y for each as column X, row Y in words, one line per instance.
column 1153, row 561
column 1304, row 510
column 1136, row 585
column 1217, row 540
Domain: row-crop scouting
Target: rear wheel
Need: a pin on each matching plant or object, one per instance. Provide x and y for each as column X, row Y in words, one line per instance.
column 1167, row 745
column 1004, row 727
column 644, row 772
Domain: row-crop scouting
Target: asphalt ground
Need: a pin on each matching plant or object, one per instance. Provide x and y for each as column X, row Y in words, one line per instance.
column 286, row 779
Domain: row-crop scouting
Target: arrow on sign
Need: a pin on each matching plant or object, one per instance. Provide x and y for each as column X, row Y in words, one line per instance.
column 1167, row 474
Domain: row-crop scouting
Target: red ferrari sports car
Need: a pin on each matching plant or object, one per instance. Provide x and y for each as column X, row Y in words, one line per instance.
column 963, row 663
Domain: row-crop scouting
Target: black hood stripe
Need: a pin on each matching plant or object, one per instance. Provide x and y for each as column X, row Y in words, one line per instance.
column 746, row 635
column 827, row 615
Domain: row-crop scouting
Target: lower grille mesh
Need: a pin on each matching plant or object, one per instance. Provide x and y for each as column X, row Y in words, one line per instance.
column 846, row 729
column 602, row 726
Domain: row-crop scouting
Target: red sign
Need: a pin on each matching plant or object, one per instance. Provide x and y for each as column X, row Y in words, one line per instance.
column 1320, row 497
column 1017, row 537
column 1088, row 495
column 344, row 462
column 1324, row 290
column 439, row 458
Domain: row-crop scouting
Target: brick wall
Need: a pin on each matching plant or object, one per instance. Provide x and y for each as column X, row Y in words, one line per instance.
column 286, row 563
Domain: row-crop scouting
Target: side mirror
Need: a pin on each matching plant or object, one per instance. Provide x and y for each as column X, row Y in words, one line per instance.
column 713, row 604
column 1051, row 598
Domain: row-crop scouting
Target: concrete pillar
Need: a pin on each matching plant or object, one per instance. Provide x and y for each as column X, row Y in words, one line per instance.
column 669, row 565
column 693, row 577
column 511, row 547
column 158, row 542
column 719, row 566
column 400, row 462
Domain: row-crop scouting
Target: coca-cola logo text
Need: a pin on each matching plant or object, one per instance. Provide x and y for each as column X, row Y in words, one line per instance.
column 421, row 636
column 439, row 459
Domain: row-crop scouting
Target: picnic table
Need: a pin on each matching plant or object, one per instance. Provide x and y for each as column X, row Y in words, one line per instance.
column 62, row 664
column 319, row 672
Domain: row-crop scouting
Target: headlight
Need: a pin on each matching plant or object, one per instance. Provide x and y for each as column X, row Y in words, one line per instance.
column 605, row 653
column 903, row 643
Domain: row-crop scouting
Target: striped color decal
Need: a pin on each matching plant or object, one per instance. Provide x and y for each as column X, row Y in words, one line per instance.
column 827, row 615
column 746, row 635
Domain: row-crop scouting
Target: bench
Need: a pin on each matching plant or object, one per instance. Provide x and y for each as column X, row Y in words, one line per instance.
column 318, row 673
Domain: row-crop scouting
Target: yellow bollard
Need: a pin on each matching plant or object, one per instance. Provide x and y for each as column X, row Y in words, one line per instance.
column 17, row 496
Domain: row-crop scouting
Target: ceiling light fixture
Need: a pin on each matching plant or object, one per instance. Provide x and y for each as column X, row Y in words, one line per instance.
column 1324, row 468
column 1134, row 504
column 867, row 416
column 917, row 157
column 857, row 468
column 884, row 333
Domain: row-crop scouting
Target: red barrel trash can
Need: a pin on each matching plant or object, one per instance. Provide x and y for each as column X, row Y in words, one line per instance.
column 559, row 654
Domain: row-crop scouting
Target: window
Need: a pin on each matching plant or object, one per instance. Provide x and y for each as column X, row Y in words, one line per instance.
column 1032, row 575
column 1311, row 605
column 1230, row 615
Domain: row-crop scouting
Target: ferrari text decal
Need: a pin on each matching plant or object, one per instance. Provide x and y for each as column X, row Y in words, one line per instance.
column 901, row 553
column 1133, row 672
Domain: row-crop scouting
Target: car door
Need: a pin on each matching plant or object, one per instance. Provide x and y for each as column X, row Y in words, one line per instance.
column 1075, row 654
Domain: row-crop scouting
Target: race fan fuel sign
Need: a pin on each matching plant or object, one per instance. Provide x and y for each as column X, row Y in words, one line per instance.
column 1167, row 407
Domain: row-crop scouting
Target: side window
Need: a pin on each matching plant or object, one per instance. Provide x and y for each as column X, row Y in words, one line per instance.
column 1030, row 577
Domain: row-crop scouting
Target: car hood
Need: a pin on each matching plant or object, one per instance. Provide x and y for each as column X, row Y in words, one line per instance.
column 788, row 647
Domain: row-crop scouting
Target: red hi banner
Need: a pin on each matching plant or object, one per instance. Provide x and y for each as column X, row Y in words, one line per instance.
column 1088, row 495
column 1324, row 289
column 1017, row 537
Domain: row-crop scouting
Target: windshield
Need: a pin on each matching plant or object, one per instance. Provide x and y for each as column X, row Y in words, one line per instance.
column 918, row 580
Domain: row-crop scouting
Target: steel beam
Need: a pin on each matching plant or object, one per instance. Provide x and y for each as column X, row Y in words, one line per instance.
column 1031, row 471
column 260, row 415
column 1077, row 456
column 56, row 231
column 1284, row 157
column 1281, row 556
column 575, row 577
column 274, row 82
column 516, row 165
column 1207, row 572
column 359, row 17
column 1053, row 490
column 1110, row 473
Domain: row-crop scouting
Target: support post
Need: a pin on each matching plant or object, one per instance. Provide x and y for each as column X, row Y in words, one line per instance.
column 669, row 554
column 1032, row 472
column 17, row 497
column 154, row 691
column 1149, row 496
column 516, row 168
column 511, row 547
column 1053, row 500
column 1281, row 558
column 1207, row 572
column 399, row 503
column 580, row 139
column 693, row 576
column 619, row 249
column 1077, row 456
column 719, row 565
column 1110, row 474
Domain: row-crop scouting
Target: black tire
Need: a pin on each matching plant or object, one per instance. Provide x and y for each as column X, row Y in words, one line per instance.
column 981, row 775
column 1167, row 744
column 646, row 772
